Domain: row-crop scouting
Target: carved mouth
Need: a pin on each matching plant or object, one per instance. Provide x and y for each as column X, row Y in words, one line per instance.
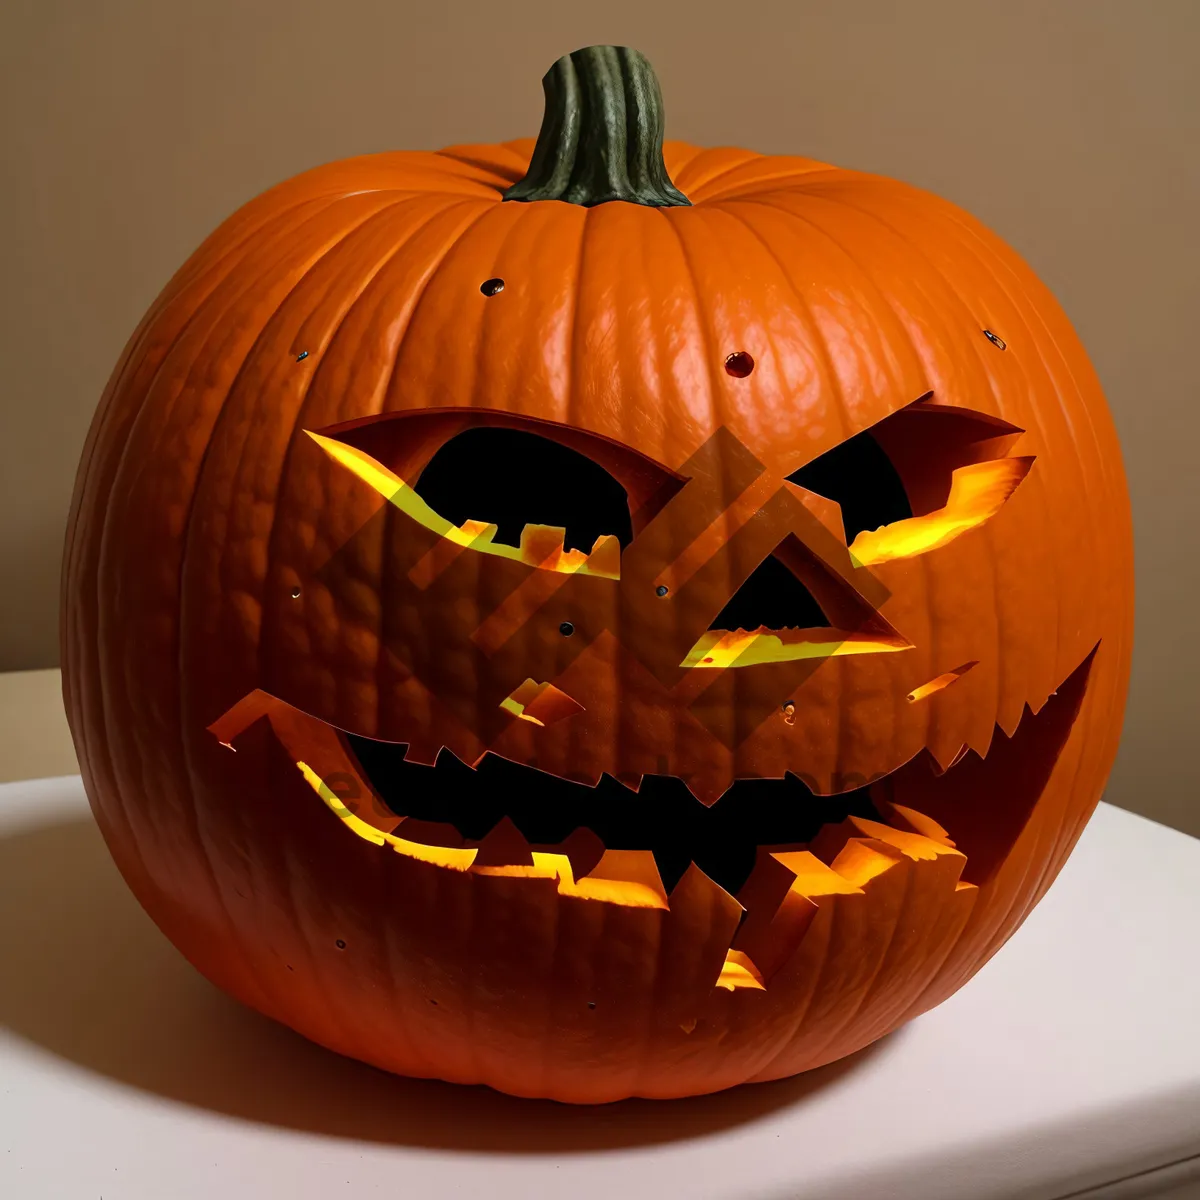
column 452, row 804
column 632, row 846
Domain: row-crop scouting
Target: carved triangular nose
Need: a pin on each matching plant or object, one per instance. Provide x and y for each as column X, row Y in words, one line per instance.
column 773, row 597
column 793, row 606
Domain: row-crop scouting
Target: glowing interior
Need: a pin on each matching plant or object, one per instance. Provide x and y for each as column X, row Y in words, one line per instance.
column 541, row 545
column 977, row 493
column 604, row 882
column 854, row 856
column 739, row 648
column 739, row 971
column 442, row 856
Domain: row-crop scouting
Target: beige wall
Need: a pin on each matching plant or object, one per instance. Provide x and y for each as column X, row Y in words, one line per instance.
column 1072, row 127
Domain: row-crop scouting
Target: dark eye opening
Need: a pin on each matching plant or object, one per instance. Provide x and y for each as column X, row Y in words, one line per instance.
column 859, row 476
column 512, row 478
column 771, row 598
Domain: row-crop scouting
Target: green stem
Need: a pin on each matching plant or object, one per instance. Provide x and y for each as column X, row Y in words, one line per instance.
column 602, row 133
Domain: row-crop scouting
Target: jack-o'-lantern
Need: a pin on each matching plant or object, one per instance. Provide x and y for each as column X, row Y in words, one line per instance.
column 592, row 618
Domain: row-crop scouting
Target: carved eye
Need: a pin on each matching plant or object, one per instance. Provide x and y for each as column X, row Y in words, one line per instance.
column 918, row 479
column 512, row 478
column 544, row 494
column 860, row 477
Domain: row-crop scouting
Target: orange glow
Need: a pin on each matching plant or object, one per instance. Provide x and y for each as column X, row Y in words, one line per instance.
column 541, row 545
column 739, row 648
column 628, row 893
column 812, row 877
column 977, row 493
column 441, row 856
column 739, row 971
column 942, row 681
column 608, row 882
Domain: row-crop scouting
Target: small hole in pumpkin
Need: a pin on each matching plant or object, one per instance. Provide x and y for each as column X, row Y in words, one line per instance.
column 302, row 356
column 490, row 287
column 661, row 590
column 996, row 340
column 434, row 1003
column 591, row 1004
column 295, row 593
column 566, row 629
column 739, row 364
column 789, row 713
column 341, row 945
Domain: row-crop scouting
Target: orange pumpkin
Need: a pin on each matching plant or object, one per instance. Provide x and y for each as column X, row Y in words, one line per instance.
column 528, row 624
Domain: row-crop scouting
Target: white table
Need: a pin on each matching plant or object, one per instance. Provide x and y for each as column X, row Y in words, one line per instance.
column 1069, row 1066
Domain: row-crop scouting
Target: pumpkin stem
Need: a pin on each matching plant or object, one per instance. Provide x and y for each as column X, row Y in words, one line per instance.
column 602, row 133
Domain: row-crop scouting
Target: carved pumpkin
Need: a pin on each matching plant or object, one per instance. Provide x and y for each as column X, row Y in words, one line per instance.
column 539, row 624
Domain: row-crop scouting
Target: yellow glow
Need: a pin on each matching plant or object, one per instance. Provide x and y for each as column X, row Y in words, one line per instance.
column 813, row 877
column 540, row 703
column 858, row 863
column 976, row 494
column 739, row 648
column 441, row 856
column 517, row 709
column 739, row 971
column 541, row 545
column 627, row 893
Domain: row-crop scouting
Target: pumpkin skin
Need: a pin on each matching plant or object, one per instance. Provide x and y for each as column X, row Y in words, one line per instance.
column 230, row 584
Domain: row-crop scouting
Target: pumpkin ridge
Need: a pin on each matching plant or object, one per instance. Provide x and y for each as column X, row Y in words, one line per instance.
column 1034, row 424
column 212, row 551
column 114, row 408
column 120, row 470
column 376, row 269
column 721, row 170
column 190, row 807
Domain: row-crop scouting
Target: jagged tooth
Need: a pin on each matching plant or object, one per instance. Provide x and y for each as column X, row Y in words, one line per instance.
column 541, row 542
column 830, row 839
column 480, row 532
column 900, row 817
column 861, row 860
column 815, row 879
column 777, row 917
column 633, row 873
column 694, row 943
column 916, row 846
column 422, row 752
column 605, row 557
column 583, row 850
column 943, row 764
column 740, row 971
column 505, row 846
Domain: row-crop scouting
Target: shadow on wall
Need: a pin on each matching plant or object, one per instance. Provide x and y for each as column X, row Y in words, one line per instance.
column 89, row 977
